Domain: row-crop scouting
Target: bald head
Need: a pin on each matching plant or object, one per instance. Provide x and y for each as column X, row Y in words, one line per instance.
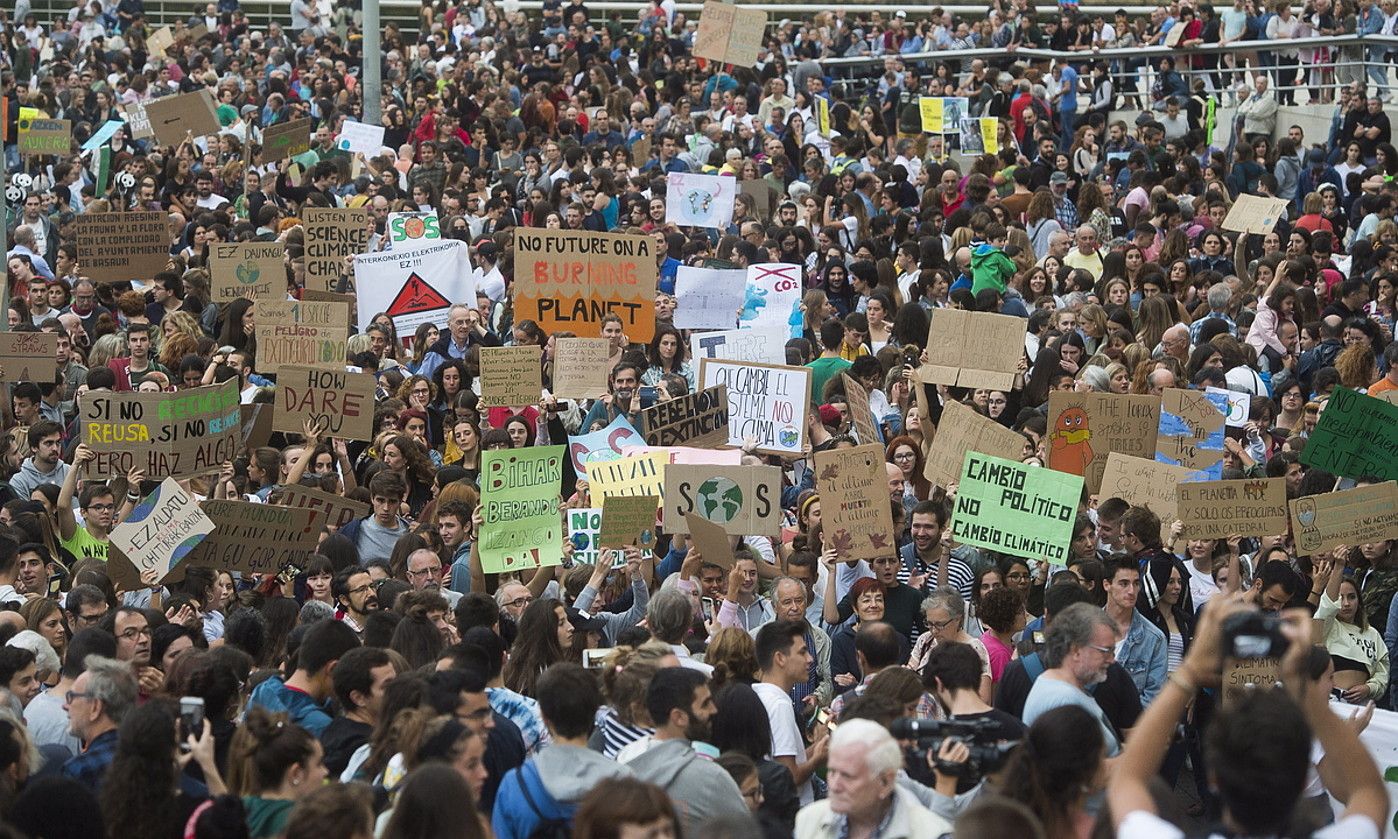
column 895, row 482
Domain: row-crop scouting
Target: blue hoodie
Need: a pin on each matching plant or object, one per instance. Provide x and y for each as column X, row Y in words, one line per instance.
column 301, row 707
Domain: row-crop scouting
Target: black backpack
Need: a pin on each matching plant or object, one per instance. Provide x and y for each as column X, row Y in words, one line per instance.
column 546, row 828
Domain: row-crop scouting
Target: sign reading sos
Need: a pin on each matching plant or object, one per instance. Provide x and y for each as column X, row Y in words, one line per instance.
column 409, row 227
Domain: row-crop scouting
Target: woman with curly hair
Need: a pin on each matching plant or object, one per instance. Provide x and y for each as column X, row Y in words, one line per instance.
column 1356, row 367
column 544, row 634
column 145, row 793
column 420, row 393
column 733, row 655
column 409, row 458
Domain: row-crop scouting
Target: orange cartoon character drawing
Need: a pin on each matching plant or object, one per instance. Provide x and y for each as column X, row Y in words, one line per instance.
column 1069, row 449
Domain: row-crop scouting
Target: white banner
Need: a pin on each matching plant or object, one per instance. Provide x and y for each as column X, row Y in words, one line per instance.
column 414, row 286
column 361, row 138
column 708, row 298
column 700, row 200
column 773, row 298
column 1381, row 739
column 764, row 345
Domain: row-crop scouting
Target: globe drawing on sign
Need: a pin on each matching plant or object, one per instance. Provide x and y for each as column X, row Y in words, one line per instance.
column 720, row 500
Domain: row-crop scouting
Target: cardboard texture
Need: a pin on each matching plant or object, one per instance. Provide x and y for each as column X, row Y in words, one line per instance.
column 761, row 198
column 730, row 34
column 1356, row 437
column 332, row 510
column 1219, row 509
column 636, row 474
column 174, row 118
column 708, row 298
column 581, row 367
column 159, row 41
column 1145, row 483
column 711, row 540
column 301, row 333
column 332, row 233
column 255, row 538
column 1241, row 675
column 569, row 279
column 169, row 435
column 242, row 268
column 28, row 357
column 286, row 139
column 1085, row 427
column 137, row 121
column 766, row 402
column 340, row 402
column 964, row 430
column 856, row 515
column 764, row 345
column 1191, row 432
column 866, row 428
column 1015, row 508
column 519, row 501
column 1350, row 517
column 510, row 376
column 583, row 526
column 628, row 520
column 742, row 499
column 1254, row 214
column 973, row 349
column 257, row 424
column 162, row 530
column 113, row 247
column 309, row 295
column 697, row 419
column 42, row 135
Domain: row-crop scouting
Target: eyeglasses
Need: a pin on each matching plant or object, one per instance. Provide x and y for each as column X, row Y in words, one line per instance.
column 426, row 572
column 1103, row 650
column 88, row 620
column 940, row 625
column 75, row 694
column 101, row 507
column 359, row 589
column 519, row 602
column 135, row 632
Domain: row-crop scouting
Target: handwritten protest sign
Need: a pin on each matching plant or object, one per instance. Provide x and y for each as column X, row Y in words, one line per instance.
column 711, row 540
column 28, row 357
column 1015, row 508
column 173, row 118
column 1191, row 433
column 286, row 139
column 766, row 402
column 688, row 456
column 1358, row 516
column 1356, row 437
column 696, row 200
column 114, row 247
column 159, row 41
column 569, row 279
column 581, row 367
column 856, row 511
column 1237, row 405
column 1085, row 427
column 1241, row 675
column 741, row 499
column 175, row 435
column 635, row 474
column 163, row 529
column 332, row 233
column 296, row 332
column 41, row 135
column 866, row 425
column 336, row 510
column 340, row 402
column 772, row 299
column 628, row 520
column 240, row 268
column 604, row 444
column 708, row 298
column 255, row 538
column 963, row 430
column 414, row 285
column 698, row 419
column 137, row 121
column 583, row 526
column 1144, row 483
column 510, row 376
column 360, row 138
column 412, row 228
column 765, row 345
column 309, row 295
column 519, row 496
column 730, row 34
column 973, row 349
column 1219, row 509
column 1254, row 214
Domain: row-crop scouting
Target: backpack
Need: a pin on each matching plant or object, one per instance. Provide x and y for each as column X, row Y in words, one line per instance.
column 546, row 828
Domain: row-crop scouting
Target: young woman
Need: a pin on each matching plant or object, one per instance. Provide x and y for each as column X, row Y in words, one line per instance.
column 319, row 573
column 1057, row 768
column 667, row 353
column 144, row 792
column 544, row 634
column 273, row 763
column 624, row 808
column 1002, row 615
column 1357, row 649
column 435, row 802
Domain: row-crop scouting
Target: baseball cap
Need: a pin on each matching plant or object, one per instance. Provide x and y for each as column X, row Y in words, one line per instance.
column 1058, row 178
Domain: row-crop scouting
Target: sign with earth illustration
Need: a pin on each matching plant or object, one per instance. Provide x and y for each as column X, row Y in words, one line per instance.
column 744, row 500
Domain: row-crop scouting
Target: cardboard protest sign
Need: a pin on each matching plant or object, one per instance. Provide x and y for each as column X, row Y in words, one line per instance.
column 173, row 118
column 604, row 444
column 708, row 298
column 510, row 376
column 695, row 200
column 687, row 456
column 764, row 345
column 1015, row 508
column 1085, row 427
column 301, row 333
column 257, row 424
column 240, row 268
column 1191, row 433
column 711, row 540
column 339, row 401
column 635, row 474
column 519, row 498
column 1241, row 675
column 766, row 402
column 137, row 121
column 360, row 138
column 1144, row 483
column 1219, row 509
column 569, row 279
column 412, row 228
column 866, row 426
column 856, row 511
column 175, row 435
column 159, row 41
column 581, row 367
column 762, row 197
column 698, row 419
column 28, row 357
column 255, row 538
column 309, row 295
column 115, row 247
column 286, row 139
column 41, row 135
column 1356, row 437
column 333, row 233
column 742, row 499
column 583, row 526
column 1254, row 214
column 628, row 520
column 963, row 430
column 973, row 349
column 336, row 510
column 730, row 34
column 772, row 300
column 1350, row 517
column 163, row 529
column 414, row 286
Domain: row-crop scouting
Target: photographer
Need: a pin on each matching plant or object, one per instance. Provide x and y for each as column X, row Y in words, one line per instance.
column 953, row 674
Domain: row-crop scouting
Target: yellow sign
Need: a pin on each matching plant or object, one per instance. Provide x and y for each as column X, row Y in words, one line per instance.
column 931, row 109
column 823, row 115
column 637, row 474
column 990, row 134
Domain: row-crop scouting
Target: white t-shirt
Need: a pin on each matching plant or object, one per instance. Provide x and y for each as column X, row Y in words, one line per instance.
column 786, row 734
column 1143, row 825
column 1201, row 585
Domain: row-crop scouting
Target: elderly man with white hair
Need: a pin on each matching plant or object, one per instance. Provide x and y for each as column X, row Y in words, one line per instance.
column 1088, row 253
column 865, row 798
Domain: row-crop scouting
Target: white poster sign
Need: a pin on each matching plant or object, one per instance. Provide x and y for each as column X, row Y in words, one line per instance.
column 773, row 298
column 700, row 200
column 357, row 137
column 413, row 286
column 766, row 402
column 764, row 345
column 708, row 298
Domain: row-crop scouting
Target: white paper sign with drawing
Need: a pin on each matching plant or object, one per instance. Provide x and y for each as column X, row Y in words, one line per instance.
column 699, row 200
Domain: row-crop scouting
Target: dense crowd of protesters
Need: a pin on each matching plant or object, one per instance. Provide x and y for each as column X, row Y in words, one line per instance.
column 391, row 687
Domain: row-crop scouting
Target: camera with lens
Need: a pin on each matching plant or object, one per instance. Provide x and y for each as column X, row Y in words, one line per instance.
column 981, row 737
column 1253, row 635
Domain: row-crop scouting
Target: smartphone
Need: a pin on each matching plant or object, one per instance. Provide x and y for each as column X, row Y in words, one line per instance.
column 191, row 719
column 55, row 583
column 596, row 659
column 710, row 608
column 647, row 397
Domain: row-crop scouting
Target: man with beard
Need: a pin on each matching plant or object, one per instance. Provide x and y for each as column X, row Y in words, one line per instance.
column 679, row 702
column 1078, row 650
column 354, row 592
column 621, row 401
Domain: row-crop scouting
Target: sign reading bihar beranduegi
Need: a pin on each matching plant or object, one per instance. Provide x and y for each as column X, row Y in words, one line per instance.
column 519, row 497
column 1016, row 509
column 175, row 435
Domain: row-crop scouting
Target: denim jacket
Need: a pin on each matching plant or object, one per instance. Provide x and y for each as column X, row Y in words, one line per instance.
column 1144, row 657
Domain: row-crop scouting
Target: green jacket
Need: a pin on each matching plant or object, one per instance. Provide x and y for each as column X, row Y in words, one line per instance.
column 990, row 268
